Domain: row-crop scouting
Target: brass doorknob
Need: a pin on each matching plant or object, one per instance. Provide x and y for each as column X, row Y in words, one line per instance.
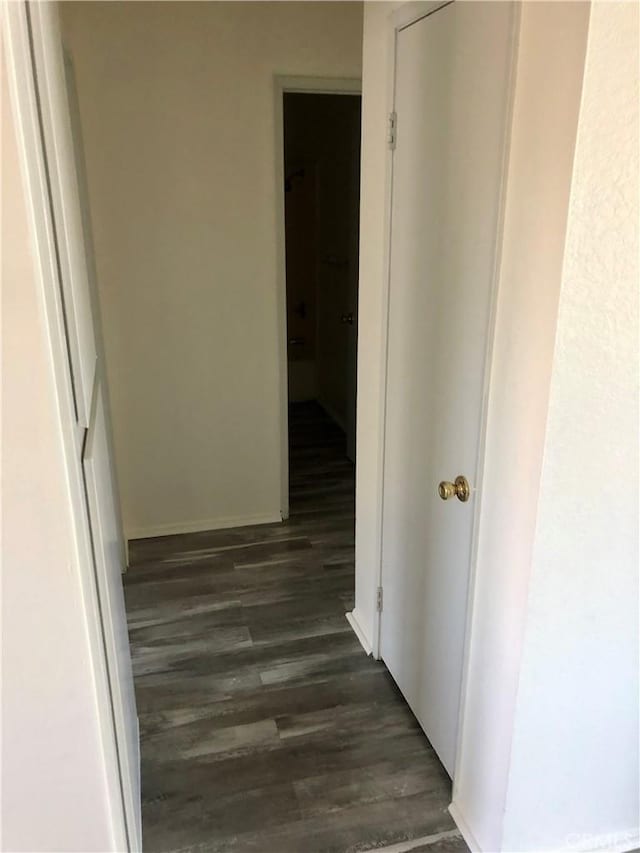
column 458, row 489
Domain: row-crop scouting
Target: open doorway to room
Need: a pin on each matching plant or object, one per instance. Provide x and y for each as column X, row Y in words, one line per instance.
column 321, row 171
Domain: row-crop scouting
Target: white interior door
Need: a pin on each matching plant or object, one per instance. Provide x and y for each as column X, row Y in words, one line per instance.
column 451, row 100
column 105, row 534
column 83, row 200
column 87, row 373
column 63, row 186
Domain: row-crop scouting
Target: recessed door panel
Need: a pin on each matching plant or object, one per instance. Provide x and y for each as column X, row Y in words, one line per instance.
column 107, row 549
column 63, row 185
column 452, row 83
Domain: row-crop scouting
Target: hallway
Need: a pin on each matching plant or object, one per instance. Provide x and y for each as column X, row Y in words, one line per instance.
column 264, row 726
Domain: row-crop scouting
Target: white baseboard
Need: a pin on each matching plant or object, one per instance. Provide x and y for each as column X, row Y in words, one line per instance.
column 610, row 842
column 465, row 831
column 357, row 630
column 199, row 526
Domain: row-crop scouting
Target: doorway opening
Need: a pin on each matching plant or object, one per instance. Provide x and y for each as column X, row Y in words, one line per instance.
column 321, row 186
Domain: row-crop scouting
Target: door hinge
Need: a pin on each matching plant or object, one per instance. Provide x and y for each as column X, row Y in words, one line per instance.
column 379, row 600
column 392, row 130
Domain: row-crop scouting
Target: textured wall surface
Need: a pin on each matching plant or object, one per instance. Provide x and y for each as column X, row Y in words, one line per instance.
column 53, row 780
column 574, row 770
column 548, row 84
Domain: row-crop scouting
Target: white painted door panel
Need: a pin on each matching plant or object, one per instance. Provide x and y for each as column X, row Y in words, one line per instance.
column 89, row 255
column 108, row 558
column 61, row 150
column 451, row 100
column 55, row 116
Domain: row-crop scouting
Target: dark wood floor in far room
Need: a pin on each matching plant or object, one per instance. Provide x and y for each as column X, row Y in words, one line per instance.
column 264, row 726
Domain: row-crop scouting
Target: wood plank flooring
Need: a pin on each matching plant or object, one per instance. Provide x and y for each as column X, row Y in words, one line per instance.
column 264, row 726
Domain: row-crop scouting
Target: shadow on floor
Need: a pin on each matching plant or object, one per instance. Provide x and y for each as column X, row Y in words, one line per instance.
column 264, row 726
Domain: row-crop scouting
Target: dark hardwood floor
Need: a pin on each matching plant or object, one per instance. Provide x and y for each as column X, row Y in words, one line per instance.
column 264, row 726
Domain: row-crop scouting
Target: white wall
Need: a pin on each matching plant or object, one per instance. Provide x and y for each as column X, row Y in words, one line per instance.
column 548, row 750
column 548, row 82
column 556, row 554
column 53, row 785
column 177, row 106
column 376, row 71
column 576, row 724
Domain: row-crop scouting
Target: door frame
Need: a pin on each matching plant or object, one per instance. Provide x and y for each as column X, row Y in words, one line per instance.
column 37, row 170
column 408, row 14
column 284, row 84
